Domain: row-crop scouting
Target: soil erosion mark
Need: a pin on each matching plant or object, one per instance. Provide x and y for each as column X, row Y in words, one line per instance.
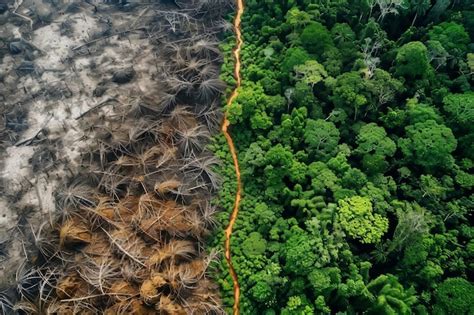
column 230, row 142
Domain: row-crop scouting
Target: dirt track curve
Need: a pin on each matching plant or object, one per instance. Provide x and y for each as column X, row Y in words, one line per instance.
column 230, row 142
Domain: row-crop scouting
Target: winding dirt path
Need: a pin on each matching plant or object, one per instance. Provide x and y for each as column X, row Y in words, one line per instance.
column 230, row 143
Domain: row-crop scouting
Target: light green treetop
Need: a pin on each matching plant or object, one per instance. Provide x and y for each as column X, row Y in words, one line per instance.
column 358, row 220
column 311, row 72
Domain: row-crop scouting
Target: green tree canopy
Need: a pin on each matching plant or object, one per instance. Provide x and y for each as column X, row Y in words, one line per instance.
column 298, row 305
column 383, row 88
column 322, row 137
column 264, row 284
column 322, row 178
column 460, row 108
column 294, row 56
column 254, row 245
column 454, row 296
column 298, row 252
column 390, row 297
column 373, row 139
column 355, row 134
column 354, row 178
column 311, row 72
column 418, row 7
column 316, row 38
column 349, row 92
column 374, row 146
column 358, row 220
column 296, row 18
column 452, row 36
column 420, row 112
column 428, row 144
column 412, row 60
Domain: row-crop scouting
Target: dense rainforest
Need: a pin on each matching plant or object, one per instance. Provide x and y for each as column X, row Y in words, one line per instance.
column 345, row 154
column 354, row 129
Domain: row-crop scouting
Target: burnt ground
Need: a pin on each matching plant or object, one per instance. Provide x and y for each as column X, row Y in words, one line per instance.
column 104, row 101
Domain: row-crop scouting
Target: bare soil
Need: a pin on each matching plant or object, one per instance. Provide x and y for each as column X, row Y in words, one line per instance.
column 105, row 112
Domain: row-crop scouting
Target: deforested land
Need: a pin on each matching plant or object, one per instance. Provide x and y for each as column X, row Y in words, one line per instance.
column 106, row 181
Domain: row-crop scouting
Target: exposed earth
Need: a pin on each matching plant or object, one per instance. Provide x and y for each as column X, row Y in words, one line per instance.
column 84, row 85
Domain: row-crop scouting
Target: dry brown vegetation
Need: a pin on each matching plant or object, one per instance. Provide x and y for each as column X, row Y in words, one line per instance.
column 128, row 234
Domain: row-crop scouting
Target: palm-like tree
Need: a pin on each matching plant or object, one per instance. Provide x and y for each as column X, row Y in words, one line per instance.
column 419, row 7
column 102, row 214
column 46, row 243
column 181, row 118
column 178, row 84
column 224, row 25
column 138, row 130
column 172, row 252
column 169, row 306
column 147, row 206
column 99, row 273
column 74, row 232
column 208, row 71
column 206, row 49
column 27, row 281
column 189, row 277
column 211, row 115
column 133, row 272
column 192, row 67
column 6, row 306
column 192, row 140
column 47, row 287
column 202, row 169
column 114, row 183
column 126, row 244
column 210, row 89
column 167, row 186
column 167, row 101
column 25, row 306
column 197, row 226
column 204, row 300
column 208, row 212
column 74, row 195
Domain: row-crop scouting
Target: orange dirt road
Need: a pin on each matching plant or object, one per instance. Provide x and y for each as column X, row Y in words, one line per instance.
column 230, row 142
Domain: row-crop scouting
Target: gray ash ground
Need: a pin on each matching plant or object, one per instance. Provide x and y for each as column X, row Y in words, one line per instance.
column 63, row 66
column 47, row 82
